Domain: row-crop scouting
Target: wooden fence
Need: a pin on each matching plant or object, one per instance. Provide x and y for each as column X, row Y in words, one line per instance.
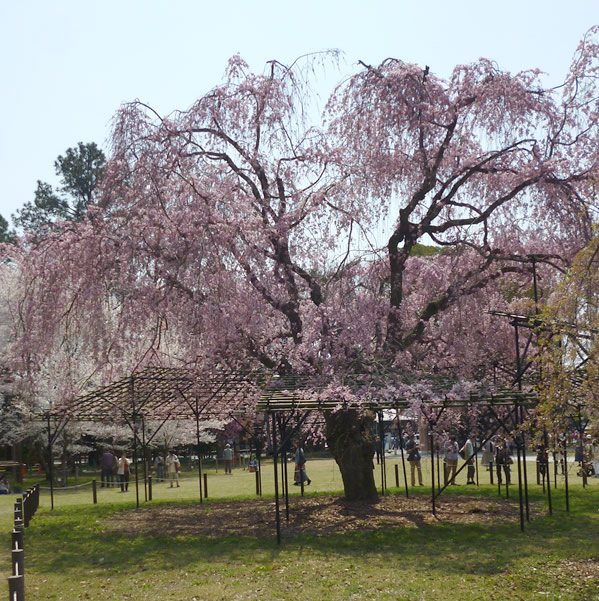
column 24, row 511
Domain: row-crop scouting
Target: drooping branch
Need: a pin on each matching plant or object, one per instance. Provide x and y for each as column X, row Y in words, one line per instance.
column 453, row 294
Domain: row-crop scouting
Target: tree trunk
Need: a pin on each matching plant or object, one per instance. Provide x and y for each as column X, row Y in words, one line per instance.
column 17, row 455
column 350, row 435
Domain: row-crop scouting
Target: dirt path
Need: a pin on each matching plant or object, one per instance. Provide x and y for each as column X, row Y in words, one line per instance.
column 318, row 515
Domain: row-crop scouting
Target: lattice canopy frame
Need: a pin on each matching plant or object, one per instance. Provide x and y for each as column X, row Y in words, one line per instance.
column 159, row 393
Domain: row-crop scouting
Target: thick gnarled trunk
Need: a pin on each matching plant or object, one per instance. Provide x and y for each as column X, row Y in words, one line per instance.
column 350, row 435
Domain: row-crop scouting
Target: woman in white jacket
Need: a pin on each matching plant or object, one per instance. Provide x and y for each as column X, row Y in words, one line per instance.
column 123, row 472
column 172, row 468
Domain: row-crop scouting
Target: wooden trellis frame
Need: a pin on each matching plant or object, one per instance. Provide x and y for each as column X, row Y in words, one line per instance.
column 157, row 393
column 171, row 393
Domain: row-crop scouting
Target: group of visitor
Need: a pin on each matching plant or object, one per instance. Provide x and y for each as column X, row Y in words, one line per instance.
column 168, row 467
column 173, row 467
column 450, row 462
column 114, row 471
column 495, row 453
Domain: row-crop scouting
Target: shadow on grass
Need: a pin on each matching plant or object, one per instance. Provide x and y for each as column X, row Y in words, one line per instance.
column 75, row 539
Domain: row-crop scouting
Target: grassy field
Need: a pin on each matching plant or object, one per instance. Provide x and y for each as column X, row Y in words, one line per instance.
column 71, row 554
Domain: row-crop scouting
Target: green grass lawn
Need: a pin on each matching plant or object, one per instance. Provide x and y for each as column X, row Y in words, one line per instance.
column 71, row 555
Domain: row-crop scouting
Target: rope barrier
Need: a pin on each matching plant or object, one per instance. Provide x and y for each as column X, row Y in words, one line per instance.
column 115, row 484
column 67, row 487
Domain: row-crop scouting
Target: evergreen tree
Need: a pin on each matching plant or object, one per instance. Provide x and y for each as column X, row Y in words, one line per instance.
column 79, row 170
column 7, row 236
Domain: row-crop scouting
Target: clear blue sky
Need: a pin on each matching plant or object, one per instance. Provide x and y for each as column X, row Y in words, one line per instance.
column 67, row 65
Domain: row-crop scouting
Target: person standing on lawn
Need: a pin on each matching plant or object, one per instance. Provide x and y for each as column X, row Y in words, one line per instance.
column 467, row 452
column 414, row 457
column 172, row 468
column 451, row 460
column 503, row 460
column 106, row 472
column 300, row 474
column 123, row 472
column 228, row 458
column 488, row 454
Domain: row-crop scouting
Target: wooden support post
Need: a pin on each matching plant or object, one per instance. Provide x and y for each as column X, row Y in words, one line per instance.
column 259, row 472
column 403, row 459
column 94, row 492
column 50, row 465
column 25, row 505
column 546, row 443
column 18, row 562
column 285, row 479
column 199, row 447
column 566, row 475
column 381, row 431
column 134, row 417
column 438, row 469
column 520, row 489
column 521, row 456
column 144, row 455
column 276, row 475
column 432, row 445
column 16, row 588
column 17, row 539
column 36, row 488
column 205, row 486
column 499, row 468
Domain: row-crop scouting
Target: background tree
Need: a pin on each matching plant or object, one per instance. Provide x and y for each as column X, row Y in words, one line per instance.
column 80, row 170
column 568, row 351
column 7, row 236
